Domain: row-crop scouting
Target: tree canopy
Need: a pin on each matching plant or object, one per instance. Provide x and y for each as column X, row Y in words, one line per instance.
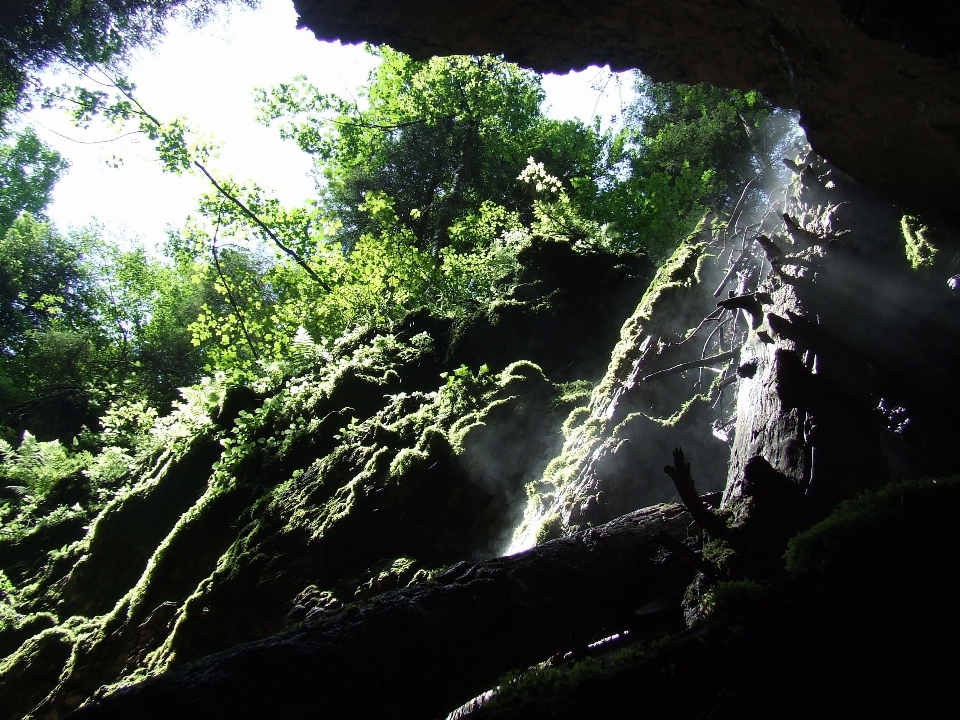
column 429, row 183
column 440, row 137
column 28, row 171
column 682, row 149
column 34, row 35
column 84, row 324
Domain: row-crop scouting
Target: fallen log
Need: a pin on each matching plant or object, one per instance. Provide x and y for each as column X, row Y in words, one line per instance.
column 423, row 650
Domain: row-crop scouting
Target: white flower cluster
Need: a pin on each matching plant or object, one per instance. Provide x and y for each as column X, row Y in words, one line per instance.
column 534, row 172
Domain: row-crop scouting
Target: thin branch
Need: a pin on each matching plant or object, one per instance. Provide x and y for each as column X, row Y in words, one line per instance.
column 679, row 472
column 260, row 224
column 718, row 328
column 734, row 216
column 34, row 121
column 378, row 126
column 705, row 362
column 715, row 315
column 226, row 286
column 82, row 72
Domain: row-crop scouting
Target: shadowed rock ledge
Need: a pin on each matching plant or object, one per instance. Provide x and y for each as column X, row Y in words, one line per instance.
column 419, row 652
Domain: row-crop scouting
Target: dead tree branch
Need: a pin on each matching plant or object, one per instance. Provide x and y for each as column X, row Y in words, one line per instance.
column 701, row 514
column 705, row 362
column 260, row 224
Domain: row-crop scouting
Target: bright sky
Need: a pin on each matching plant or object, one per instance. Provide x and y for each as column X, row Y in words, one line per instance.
column 208, row 76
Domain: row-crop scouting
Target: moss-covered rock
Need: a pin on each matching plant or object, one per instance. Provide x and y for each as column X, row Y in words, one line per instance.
column 563, row 311
column 909, row 521
column 378, row 460
column 29, row 674
column 23, row 552
column 615, row 445
column 15, row 630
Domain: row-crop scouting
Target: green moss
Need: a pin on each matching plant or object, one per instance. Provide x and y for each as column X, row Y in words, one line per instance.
column 660, row 310
column 518, row 688
column 15, row 630
column 550, row 529
column 681, row 270
column 546, row 681
column 577, row 417
column 718, row 553
column 387, row 575
column 490, row 399
column 730, row 596
column 575, row 392
column 919, row 250
column 878, row 529
column 593, row 427
column 521, row 370
column 29, row 674
column 692, row 408
column 406, row 460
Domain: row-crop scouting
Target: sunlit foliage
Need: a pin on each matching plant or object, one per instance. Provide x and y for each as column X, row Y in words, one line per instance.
column 34, row 35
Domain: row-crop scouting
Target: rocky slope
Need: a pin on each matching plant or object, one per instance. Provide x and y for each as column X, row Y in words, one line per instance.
column 386, row 458
column 319, row 543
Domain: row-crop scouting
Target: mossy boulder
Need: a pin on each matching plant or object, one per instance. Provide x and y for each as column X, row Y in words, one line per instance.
column 563, row 311
column 29, row 674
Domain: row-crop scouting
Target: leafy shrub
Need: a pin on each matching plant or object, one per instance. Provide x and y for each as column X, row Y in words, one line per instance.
column 127, row 422
column 40, row 466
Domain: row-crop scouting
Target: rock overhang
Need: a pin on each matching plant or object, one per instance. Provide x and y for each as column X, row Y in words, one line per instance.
column 877, row 83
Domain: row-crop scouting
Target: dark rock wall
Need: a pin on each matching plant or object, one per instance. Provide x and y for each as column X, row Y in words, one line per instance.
column 847, row 330
column 321, row 560
column 877, row 83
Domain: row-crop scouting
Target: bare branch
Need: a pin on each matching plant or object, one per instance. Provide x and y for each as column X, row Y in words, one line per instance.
column 230, row 298
column 701, row 514
column 260, row 224
column 705, row 362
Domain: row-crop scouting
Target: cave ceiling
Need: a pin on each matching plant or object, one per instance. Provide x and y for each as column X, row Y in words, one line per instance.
column 877, row 82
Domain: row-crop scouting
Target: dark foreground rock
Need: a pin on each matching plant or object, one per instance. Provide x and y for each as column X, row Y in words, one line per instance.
column 856, row 629
column 419, row 652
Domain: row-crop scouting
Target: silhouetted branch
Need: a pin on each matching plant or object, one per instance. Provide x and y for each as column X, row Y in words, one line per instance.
column 705, row 362
column 260, row 224
column 701, row 514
